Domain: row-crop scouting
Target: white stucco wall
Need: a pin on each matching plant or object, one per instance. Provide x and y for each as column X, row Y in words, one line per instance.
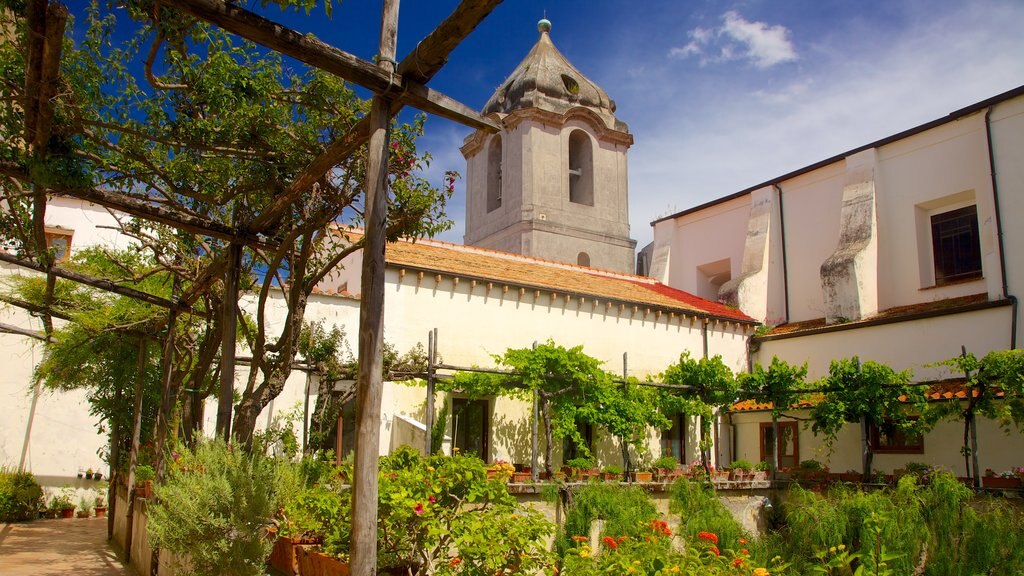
column 997, row 449
column 903, row 345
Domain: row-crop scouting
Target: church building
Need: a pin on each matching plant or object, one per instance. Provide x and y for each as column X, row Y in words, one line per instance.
column 552, row 184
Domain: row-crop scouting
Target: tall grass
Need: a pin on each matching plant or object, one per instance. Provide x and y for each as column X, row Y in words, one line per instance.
column 701, row 510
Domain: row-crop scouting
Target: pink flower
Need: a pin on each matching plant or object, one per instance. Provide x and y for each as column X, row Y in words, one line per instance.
column 432, row 499
column 418, row 509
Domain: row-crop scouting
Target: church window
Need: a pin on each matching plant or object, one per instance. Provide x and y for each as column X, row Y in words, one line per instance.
column 583, row 259
column 494, row 174
column 956, row 246
column 581, row 168
column 471, row 427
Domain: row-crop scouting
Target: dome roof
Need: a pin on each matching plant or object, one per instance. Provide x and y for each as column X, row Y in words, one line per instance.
column 546, row 80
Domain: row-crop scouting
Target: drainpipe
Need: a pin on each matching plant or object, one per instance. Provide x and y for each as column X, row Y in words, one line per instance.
column 999, row 231
column 704, row 335
column 785, row 267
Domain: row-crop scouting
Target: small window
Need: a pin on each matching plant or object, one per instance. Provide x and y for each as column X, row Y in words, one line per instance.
column 673, row 439
column 494, row 174
column 890, row 439
column 60, row 240
column 788, row 444
column 583, row 259
column 956, row 246
column 470, row 427
column 581, row 168
column 570, row 450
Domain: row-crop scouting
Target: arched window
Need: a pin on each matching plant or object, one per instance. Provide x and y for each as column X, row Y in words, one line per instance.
column 494, row 174
column 581, row 168
column 583, row 259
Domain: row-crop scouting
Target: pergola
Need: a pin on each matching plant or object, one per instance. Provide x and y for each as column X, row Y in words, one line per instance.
column 395, row 84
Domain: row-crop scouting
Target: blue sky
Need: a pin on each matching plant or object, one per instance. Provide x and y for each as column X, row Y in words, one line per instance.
column 719, row 95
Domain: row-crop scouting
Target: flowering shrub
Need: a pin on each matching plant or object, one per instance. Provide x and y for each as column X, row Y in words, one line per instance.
column 443, row 516
column 654, row 554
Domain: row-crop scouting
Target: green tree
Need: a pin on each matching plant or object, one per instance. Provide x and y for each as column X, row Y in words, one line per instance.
column 212, row 131
column 571, row 388
column 780, row 385
column 994, row 388
column 711, row 386
column 868, row 394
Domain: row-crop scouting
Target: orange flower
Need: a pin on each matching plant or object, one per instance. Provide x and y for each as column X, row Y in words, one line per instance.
column 610, row 542
column 715, row 550
column 579, row 538
column 454, row 562
column 708, row 536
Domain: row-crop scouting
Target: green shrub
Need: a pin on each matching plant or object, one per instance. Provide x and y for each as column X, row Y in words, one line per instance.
column 214, row 507
column 21, row 497
column 742, row 465
column 626, row 511
column 702, row 511
column 666, row 462
column 143, row 473
column 582, row 463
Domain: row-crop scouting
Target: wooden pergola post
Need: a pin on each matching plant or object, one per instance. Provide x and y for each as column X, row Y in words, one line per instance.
column 428, row 418
column 370, row 380
column 229, row 335
column 133, row 454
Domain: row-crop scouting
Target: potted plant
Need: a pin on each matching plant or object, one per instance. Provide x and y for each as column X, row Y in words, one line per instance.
column 100, row 507
column 761, row 470
column 1006, row 480
column 851, row 476
column 741, row 470
column 501, row 470
column 666, row 468
column 581, row 469
column 97, row 476
column 62, row 505
column 611, row 473
column 642, row 473
column 144, row 476
column 88, row 474
column 84, row 508
column 718, row 475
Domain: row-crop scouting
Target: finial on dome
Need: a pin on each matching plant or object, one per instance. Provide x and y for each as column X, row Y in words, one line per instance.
column 544, row 25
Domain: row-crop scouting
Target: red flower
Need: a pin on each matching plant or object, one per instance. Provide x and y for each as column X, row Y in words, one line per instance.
column 715, row 550
column 743, row 540
column 737, row 562
column 580, row 538
column 454, row 562
column 432, row 499
column 610, row 542
column 418, row 509
column 708, row 536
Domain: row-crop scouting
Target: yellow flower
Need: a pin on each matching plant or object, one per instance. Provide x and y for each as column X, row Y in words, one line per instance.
column 636, row 562
column 832, row 549
column 760, row 572
column 674, row 570
column 842, row 546
column 430, row 468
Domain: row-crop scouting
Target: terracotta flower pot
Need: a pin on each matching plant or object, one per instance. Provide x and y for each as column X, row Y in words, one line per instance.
column 313, row 563
column 101, row 511
column 997, row 482
column 639, row 476
column 285, row 554
column 67, row 513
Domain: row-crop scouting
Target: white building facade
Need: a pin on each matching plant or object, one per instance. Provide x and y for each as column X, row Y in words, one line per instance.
column 900, row 251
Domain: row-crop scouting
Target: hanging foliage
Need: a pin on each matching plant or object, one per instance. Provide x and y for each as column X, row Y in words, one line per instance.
column 712, row 386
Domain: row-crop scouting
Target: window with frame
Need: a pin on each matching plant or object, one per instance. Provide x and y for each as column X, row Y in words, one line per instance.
column 956, row 245
column 60, row 240
column 673, row 439
column 788, row 443
column 471, row 426
column 889, row 439
column 569, row 448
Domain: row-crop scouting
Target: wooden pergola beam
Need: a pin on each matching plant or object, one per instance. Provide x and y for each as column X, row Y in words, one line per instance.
column 100, row 283
column 18, row 331
column 308, row 49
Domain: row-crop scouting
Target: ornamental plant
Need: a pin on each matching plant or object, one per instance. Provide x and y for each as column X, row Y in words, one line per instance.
column 442, row 515
column 214, row 507
column 21, row 497
column 711, row 384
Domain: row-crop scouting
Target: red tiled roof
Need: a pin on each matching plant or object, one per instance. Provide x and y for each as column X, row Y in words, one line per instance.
column 537, row 274
column 895, row 312
column 938, row 390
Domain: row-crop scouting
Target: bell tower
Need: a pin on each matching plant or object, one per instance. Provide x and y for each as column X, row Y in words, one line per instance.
column 552, row 183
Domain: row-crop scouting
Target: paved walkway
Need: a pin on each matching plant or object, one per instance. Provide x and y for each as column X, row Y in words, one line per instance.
column 75, row 546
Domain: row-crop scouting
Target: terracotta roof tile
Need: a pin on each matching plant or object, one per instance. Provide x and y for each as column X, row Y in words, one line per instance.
column 537, row 274
column 938, row 390
column 895, row 312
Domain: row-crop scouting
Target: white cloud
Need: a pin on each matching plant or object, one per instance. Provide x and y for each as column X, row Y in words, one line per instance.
column 739, row 39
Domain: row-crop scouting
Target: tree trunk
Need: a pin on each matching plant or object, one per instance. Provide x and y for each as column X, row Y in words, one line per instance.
column 867, row 456
column 545, row 406
column 253, row 402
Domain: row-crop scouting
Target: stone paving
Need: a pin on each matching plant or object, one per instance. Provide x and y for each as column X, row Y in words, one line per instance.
column 49, row 547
